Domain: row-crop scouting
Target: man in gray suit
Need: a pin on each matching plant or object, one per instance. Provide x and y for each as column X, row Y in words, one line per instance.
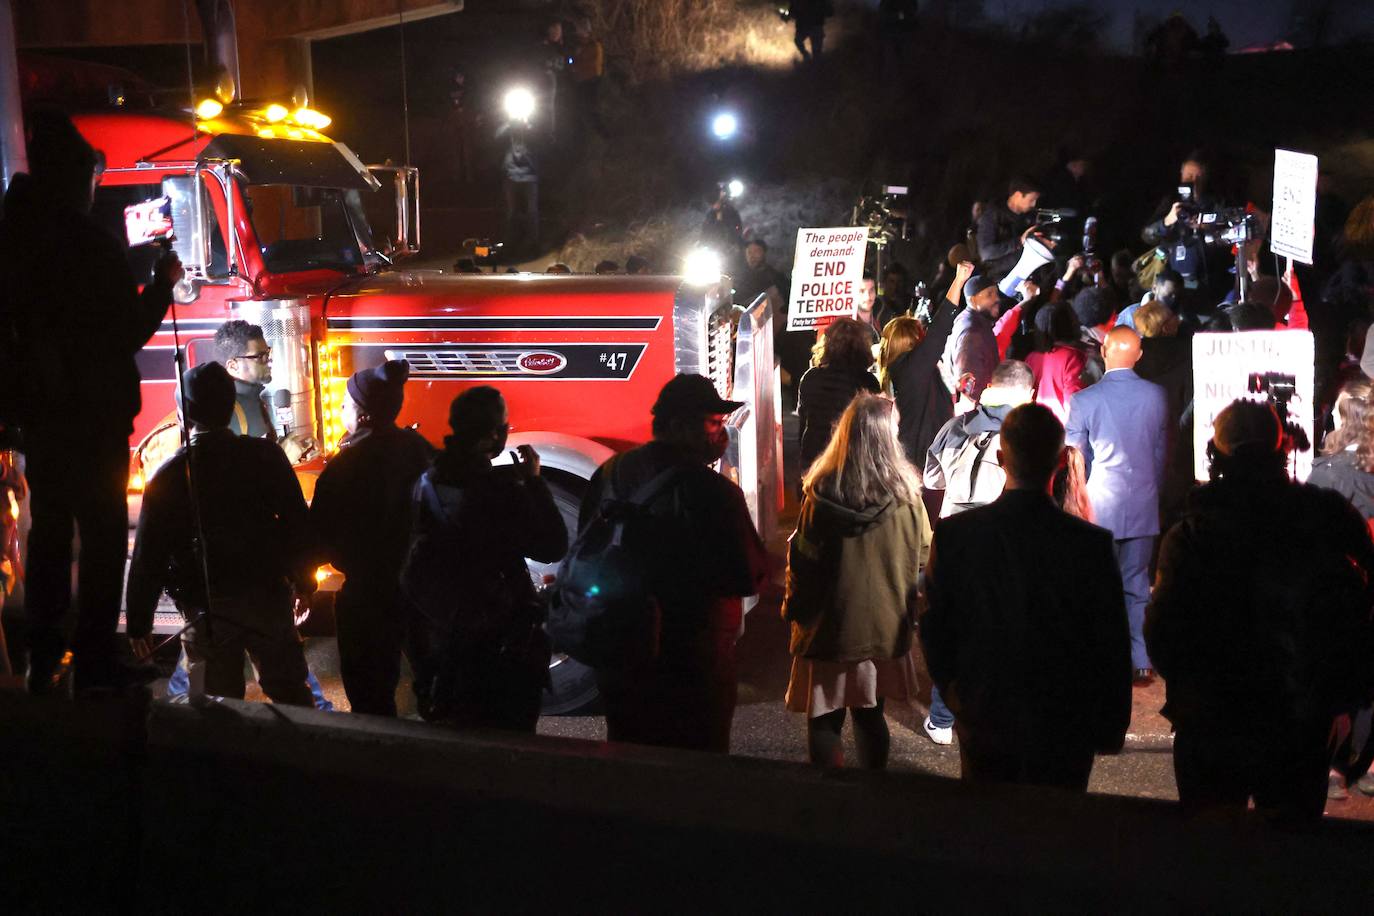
column 1120, row 426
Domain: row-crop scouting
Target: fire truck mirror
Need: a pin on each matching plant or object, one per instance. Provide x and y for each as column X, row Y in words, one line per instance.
column 393, row 211
column 191, row 235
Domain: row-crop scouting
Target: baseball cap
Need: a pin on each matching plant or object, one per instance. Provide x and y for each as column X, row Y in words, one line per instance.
column 692, row 395
column 975, row 285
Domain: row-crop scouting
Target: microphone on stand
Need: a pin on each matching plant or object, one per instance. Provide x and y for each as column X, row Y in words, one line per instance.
column 281, row 407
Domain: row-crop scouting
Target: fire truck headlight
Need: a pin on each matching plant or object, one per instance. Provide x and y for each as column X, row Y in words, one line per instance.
column 735, row 187
column 519, row 104
column 724, row 125
column 209, row 108
column 703, row 267
column 309, row 117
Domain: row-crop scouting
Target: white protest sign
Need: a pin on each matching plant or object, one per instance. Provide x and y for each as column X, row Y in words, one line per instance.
column 825, row 276
column 1295, row 205
column 1222, row 367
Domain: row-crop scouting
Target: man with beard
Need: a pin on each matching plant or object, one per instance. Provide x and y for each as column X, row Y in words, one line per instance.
column 710, row 556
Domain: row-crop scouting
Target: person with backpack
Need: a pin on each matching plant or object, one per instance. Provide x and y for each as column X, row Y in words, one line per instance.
column 853, row 571
column 476, row 640
column 964, row 461
column 688, row 533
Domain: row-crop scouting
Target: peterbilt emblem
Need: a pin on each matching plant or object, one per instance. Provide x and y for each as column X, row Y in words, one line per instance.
column 541, row 362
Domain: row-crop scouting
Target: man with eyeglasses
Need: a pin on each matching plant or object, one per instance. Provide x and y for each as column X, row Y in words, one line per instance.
column 244, row 352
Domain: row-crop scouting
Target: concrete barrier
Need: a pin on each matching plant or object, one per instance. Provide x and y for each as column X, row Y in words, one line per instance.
column 243, row 807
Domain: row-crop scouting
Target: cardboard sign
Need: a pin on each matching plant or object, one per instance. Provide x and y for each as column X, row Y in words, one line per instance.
column 1222, row 367
column 1295, row 205
column 825, row 276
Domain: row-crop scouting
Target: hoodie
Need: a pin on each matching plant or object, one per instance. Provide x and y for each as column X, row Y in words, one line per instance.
column 852, row 578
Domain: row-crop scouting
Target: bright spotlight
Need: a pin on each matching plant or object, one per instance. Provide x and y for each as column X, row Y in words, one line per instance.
column 735, row 187
column 519, row 104
column 724, row 125
column 702, row 268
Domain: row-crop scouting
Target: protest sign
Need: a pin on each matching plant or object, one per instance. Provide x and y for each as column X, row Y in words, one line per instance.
column 1223, row 365
column 825, row 276
column 1295, row 205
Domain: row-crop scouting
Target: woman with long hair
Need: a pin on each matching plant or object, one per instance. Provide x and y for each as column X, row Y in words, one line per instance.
column 825, row 390
column 852, row 569
column 901, row 335
column 1347, row 461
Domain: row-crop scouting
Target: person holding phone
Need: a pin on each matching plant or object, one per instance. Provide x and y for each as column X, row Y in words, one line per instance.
column 360, row 523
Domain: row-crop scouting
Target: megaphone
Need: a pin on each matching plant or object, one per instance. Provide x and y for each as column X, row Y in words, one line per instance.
column 1033, row 256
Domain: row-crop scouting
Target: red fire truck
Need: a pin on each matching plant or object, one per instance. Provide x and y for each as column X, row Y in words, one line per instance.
column 281, row 226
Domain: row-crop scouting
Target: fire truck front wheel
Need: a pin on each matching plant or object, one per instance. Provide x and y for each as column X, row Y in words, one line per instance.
column 572, row 688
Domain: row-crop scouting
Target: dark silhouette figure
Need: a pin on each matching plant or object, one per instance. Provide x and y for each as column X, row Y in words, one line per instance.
column 1026, row 635
column 360, row 518
column 70, row 382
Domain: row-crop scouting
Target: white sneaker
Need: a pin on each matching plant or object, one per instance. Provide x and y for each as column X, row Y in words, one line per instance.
column 938, row 735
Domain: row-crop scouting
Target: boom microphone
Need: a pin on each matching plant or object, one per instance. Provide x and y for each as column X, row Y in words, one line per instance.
column 281, row 406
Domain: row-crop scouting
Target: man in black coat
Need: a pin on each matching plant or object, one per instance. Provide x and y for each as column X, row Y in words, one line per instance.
column 1260, row 626
column 1004, row 225
column 252, row 541
column 1026, row 633
column 72, row 320
column 360, row 518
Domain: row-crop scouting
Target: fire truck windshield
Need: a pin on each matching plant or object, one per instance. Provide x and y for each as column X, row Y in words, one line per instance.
column 302, row 228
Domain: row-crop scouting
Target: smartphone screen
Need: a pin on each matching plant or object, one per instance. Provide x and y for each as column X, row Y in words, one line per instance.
column 148, row 221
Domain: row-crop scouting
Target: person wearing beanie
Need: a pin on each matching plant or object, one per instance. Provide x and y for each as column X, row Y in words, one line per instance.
column 360, row 519
column 253, row 543
column 1259, row 625
column 712, row 557
column 72, row 320
column 476, row 639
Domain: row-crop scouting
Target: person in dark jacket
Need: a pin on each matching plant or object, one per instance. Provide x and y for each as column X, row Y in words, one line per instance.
column 476, row 638
column 1004, row 225
column 809, row 17
column 360, row 518
column 827, row 389
column 924, row 402
column 72, row 320
column 1174, row 227
column 853, row 568
column 1260, row 626
column 243, row 351
column 1031, row 653
column 971, row 351
column 255, row 550
column 711, row 557
column 1347, row 461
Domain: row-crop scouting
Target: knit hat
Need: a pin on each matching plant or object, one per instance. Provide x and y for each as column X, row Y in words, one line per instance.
column 210, row 395
column 975, row 285
column 379, row 391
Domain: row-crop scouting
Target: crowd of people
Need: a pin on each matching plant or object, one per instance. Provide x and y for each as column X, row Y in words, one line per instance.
column 995, row 491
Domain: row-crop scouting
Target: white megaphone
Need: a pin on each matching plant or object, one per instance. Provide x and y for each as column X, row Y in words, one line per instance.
column 1033, row 256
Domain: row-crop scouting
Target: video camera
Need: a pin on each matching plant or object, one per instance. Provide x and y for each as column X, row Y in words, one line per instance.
column 1053, row 224
column 1279, row 389
column 885, row 214
column 1229, row 226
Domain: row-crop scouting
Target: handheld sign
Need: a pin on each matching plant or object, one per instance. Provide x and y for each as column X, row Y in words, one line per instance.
column 1222, row 367
column 825, row 276
column 148, row 222
column 1295, row 205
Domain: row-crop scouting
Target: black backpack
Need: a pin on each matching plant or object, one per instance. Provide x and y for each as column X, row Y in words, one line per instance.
column 604, row 611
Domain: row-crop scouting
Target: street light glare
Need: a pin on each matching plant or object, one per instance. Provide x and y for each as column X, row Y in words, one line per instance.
column 519, row 104
column 724, row 125
column 702, row 268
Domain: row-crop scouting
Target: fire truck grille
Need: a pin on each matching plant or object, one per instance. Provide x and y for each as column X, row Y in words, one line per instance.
column 462, row 362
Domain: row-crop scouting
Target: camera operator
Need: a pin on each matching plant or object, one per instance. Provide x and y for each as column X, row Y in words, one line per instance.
column 1004, row 227
column 1175, row 228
